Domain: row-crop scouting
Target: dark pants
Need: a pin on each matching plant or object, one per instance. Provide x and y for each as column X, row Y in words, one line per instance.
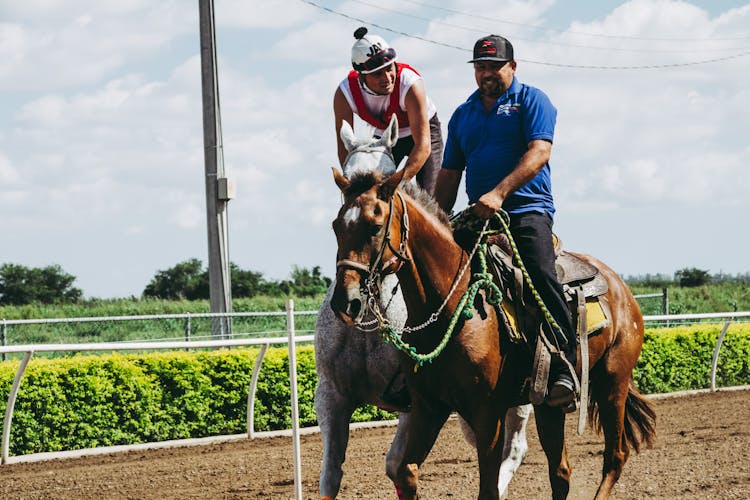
column 427, row 175
column 532, row 233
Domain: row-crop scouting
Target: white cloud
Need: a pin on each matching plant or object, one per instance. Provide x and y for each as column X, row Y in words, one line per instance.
column 8, row 174
column 102, row 139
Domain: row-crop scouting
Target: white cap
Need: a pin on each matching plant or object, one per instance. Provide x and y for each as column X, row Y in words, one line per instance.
column 370, row 52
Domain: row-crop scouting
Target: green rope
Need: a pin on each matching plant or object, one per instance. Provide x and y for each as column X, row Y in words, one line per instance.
column 480, row 280
column 504, row 219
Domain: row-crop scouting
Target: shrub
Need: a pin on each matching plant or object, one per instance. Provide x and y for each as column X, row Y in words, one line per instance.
column 90, row 401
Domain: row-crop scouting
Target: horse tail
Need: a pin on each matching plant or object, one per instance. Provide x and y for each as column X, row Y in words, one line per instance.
column 640, row 419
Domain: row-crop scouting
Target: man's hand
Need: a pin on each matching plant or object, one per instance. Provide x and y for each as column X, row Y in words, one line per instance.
column 488, row 204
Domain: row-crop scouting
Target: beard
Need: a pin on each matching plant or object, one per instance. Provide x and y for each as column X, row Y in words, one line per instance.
column 491, row 87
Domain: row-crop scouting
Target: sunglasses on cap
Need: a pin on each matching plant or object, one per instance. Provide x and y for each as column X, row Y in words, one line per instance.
column 377, row 61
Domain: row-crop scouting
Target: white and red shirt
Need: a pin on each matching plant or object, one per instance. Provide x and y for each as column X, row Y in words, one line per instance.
column 376, row 109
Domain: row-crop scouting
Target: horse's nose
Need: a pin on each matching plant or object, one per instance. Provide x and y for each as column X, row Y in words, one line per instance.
column 347, row 304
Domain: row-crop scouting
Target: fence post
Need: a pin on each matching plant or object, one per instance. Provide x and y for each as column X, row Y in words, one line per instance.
column 715, row 360
column 4, row 335
column 11, row 403
column 665, row 300
column 187, row 329
column 295, row 409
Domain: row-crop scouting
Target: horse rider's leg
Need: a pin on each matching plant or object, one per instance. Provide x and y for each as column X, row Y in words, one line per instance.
column 415, row 436
column 334, row 412
column 515, row 446
column 550, row 424
column 610, row 390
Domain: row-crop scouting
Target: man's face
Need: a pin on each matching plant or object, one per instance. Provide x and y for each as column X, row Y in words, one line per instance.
column 382, row 81
column 494, row 77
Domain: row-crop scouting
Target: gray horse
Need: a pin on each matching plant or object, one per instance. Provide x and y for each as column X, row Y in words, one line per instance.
column 354, row 365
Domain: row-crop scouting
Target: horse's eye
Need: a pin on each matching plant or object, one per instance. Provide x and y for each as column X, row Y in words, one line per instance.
column 375, row 229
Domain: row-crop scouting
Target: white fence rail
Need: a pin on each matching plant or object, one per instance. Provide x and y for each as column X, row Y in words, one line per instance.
column 290, row 340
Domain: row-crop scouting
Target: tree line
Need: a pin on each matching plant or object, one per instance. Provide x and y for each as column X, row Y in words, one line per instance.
column 687, row 277
column 188, row 280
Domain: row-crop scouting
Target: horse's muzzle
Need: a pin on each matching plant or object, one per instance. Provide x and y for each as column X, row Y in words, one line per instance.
column 348, row 303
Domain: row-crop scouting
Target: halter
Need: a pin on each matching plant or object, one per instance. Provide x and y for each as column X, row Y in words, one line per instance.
column 373, row 273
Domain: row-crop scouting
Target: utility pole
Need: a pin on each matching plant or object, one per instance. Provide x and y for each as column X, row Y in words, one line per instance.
column 219, row 190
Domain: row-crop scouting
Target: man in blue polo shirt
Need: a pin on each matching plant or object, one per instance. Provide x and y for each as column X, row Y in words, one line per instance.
column 502, row 136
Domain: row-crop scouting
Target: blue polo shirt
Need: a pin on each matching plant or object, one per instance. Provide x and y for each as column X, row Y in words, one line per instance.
column 489, row 144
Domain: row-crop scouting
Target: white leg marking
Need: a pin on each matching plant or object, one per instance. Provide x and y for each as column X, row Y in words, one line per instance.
column 514, row 445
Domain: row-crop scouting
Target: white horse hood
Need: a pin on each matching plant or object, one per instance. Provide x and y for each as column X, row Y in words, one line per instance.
column 371, row 154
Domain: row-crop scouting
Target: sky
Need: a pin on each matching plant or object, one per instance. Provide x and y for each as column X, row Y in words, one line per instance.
column 101, row 142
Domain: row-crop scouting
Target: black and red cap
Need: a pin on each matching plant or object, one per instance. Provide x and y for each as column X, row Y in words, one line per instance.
column 492, row 48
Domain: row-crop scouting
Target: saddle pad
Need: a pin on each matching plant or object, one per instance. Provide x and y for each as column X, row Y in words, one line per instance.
column 596, row 317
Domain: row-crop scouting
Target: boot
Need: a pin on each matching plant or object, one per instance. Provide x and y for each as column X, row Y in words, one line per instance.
column 561, row 389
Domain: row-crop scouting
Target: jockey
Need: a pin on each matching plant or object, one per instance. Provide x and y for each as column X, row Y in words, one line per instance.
column 378, row 87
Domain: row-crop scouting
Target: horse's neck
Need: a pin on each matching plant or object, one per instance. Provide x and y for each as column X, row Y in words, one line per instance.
column 436, row 261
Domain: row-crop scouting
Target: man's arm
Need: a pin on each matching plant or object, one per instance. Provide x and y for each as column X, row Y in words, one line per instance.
column 341, row 112
column 415, row 102
column 446, row 188
column 529, row 165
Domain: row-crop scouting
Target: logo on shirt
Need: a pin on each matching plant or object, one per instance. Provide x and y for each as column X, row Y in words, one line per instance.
column 508, row 108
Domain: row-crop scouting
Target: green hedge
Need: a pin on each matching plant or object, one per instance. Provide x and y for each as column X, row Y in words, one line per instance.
column 90, row 401
column 675, row 359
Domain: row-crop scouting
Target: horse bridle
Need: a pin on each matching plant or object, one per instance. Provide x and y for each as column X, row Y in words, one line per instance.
column 377, row 269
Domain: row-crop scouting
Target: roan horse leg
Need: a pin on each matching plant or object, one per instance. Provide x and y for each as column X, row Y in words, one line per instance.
column 515, row 446
column 550, row 424
column 415, row 436
column 333, row 411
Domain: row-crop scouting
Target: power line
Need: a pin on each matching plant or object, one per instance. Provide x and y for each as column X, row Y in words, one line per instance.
column 649, row 50
column 559, row 30
column 543, row 63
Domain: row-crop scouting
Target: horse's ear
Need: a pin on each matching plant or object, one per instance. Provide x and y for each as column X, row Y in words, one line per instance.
column 390, row 135
column 347, row 135
column 386, row 190
column 341, row 181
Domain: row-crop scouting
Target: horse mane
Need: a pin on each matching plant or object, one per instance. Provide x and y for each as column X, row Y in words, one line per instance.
column 363, row 181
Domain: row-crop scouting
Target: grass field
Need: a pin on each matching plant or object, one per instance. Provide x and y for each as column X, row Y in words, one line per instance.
column 713, row 298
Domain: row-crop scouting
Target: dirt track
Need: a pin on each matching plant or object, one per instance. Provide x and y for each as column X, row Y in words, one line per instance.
column 702, row 451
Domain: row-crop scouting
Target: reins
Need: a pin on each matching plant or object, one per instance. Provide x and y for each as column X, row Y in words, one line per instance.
column 482, row 279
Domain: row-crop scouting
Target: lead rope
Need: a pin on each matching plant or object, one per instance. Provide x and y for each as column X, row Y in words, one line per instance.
column 480, row 280
column 504, row 219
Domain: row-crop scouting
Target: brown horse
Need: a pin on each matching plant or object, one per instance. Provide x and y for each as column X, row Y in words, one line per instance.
column 384, row 228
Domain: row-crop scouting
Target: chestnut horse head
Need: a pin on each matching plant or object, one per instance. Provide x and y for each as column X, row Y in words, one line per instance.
column 366, row 250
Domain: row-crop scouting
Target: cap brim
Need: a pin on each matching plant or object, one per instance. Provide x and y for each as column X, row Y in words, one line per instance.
column 496, row 59
column 367, row 72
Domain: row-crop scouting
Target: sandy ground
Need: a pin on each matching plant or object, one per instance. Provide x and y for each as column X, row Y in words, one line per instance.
column 702, row 451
